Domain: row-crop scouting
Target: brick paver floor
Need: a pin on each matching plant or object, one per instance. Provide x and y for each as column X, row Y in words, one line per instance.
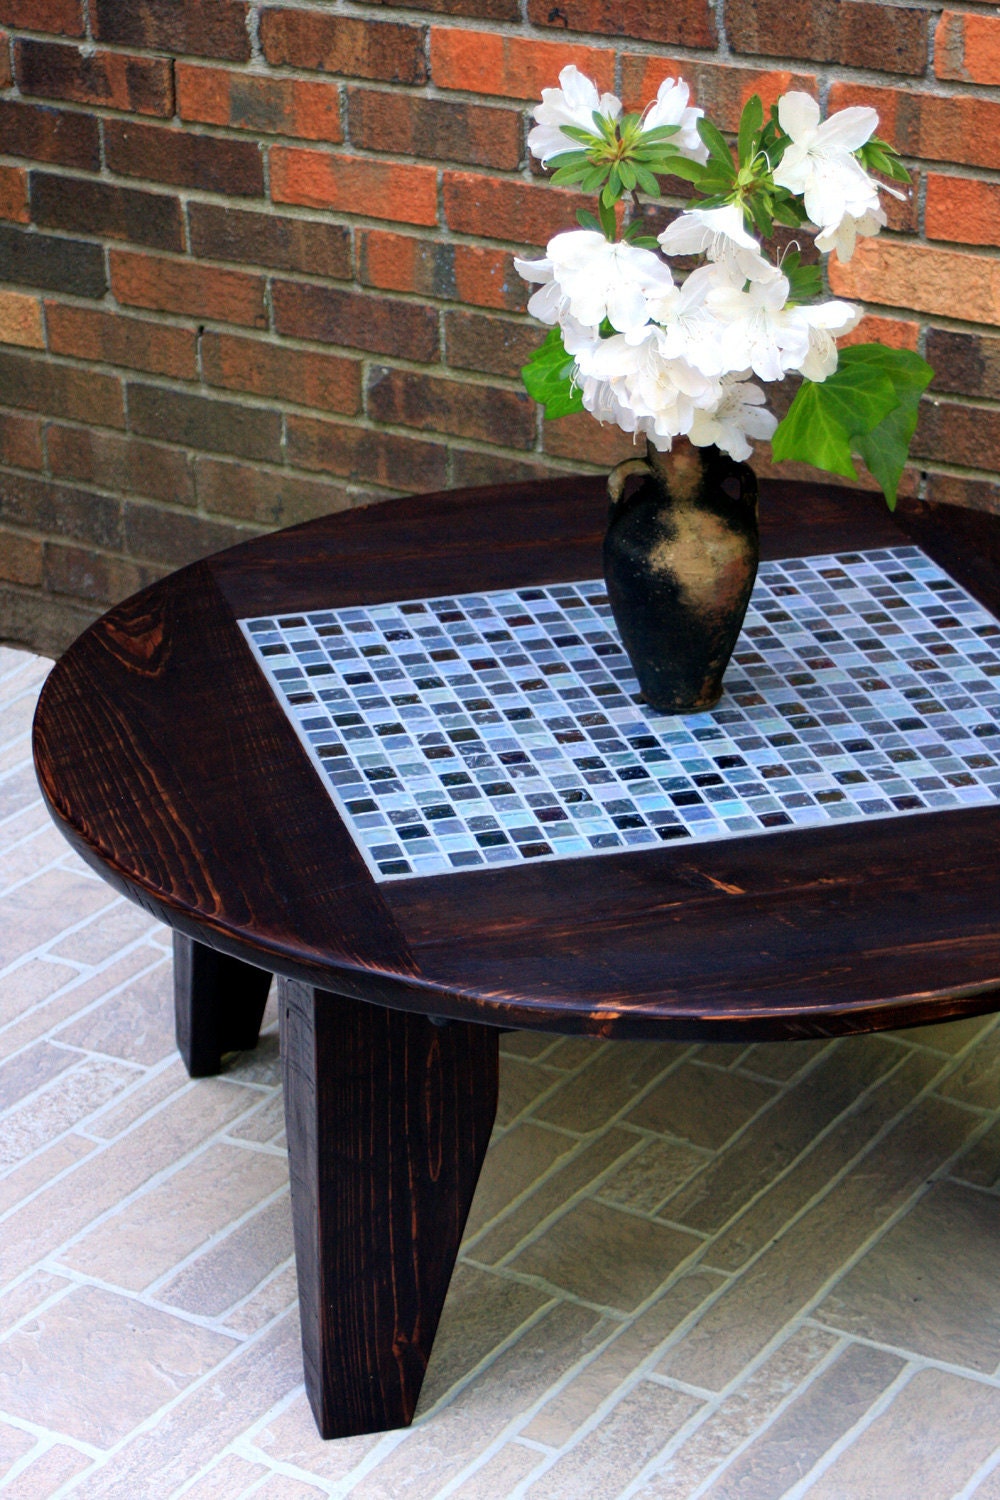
column 689, row 1271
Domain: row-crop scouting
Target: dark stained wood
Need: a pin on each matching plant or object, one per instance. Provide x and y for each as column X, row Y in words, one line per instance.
column 388, row 1116
column 219, row 1004
column 171, row 767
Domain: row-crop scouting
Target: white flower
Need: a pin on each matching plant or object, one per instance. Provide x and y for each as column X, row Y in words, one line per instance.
column 573, row 103
column 820, row 162
column 762, row 333
column 547, row 303
column 826, row 321
column 605, row 279
column 688, row 329
column 843, row 236
column 720, row 234
column 671, row 108
column 740, row 412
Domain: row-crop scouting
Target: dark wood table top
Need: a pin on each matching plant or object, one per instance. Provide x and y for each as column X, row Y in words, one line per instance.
column 169, row 764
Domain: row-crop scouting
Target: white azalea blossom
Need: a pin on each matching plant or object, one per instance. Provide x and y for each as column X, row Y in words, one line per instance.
column 820, row 163
column 572, row 103
column 843, row 236
column 606, row 279
column 762, row 333
column 671, row 108
column 826, row 322
column 721, row 234
column 739, row 413
column 665, row 355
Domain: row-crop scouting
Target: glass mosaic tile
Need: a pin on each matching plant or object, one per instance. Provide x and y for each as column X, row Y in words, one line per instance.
column 490, row 729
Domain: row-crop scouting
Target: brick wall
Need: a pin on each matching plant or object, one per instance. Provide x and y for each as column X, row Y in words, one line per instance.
column 255, row 259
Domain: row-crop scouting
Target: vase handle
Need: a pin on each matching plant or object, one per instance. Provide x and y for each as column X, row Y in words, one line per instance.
column 621, row 472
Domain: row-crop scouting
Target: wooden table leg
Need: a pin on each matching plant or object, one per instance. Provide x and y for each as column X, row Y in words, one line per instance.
column 218, row 1004
column 389, row 1116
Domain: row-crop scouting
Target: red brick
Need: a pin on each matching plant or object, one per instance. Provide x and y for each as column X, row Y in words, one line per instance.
column 485, row 10
column 957, row 434
column 246, row 101
column 52, row 262
column 487, row 278
column 582, row 439
column 115, row 461
column 952, row 489
column 406, row 263
column 953, row 128
column 60, row 511
column 409, row 126
column 14, row 195
column 83, row 573
column 857, row 33
column 58, row 17
column 86, row 206
column 344, row 45
column 114, row 339
column 45, row 134
column 964, row 362
column 895, row 333
column 382, row 325
column 21, row 442
column 513, row 67
column 204, row 422
column 354, row 184
column 501, row 209
column 221, row 232
column 471, row 468
column 360, row 454
column 683, row 23
column 922, row 279
column 21, row 560
column 963, row 209
column 270, row 369
column 6, row 73
column 109, row 80
column 184, row 287
column 268, row 497
column 198, row 28
column 60, row 391
column 497, row 346
column 720, row 89
column 213, row 163
column 967, row 47
column 21, row 320
column 172, row 537
column 431, row 403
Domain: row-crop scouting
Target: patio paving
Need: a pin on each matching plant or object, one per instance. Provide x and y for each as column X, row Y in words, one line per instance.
column 739, row 1273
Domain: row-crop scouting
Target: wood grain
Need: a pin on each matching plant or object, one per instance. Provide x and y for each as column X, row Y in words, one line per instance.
column 388, row 1119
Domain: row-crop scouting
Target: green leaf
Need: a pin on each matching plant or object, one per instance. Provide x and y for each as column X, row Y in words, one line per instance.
column 548, row 378
column 811, row 432
column 586, row 137
column 571, row 174
column 690, row 171
column 587, row 220
column 751, row 121
column 805, row 281
column 654, row 137
column 608, row 222
column 868, row 406
column 627, row 174
column 646, row 181
column 713, row 138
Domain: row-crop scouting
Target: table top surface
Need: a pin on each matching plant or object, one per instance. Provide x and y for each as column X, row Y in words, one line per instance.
column 170, row 765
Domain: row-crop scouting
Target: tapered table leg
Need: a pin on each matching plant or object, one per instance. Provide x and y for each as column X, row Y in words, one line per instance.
column 388, row 1119
column 218, row 1004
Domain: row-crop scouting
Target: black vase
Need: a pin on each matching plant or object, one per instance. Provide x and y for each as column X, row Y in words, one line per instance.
column 680, row 558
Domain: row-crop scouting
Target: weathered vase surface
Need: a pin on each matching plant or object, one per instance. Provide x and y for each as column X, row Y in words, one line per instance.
column 680, row 558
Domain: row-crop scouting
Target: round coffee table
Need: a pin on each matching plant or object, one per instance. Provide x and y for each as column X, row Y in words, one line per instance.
column 170, row 766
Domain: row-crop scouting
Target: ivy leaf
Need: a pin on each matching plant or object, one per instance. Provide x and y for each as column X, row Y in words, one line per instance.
column 885, row 448
column 751, row 121
column 868, row 406
column 805, row 281
column 548, row 378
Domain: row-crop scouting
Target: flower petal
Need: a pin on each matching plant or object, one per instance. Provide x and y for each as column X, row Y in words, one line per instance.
column 798, row 114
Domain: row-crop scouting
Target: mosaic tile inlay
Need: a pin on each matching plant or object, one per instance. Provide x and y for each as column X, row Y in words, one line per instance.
column 488, row 729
